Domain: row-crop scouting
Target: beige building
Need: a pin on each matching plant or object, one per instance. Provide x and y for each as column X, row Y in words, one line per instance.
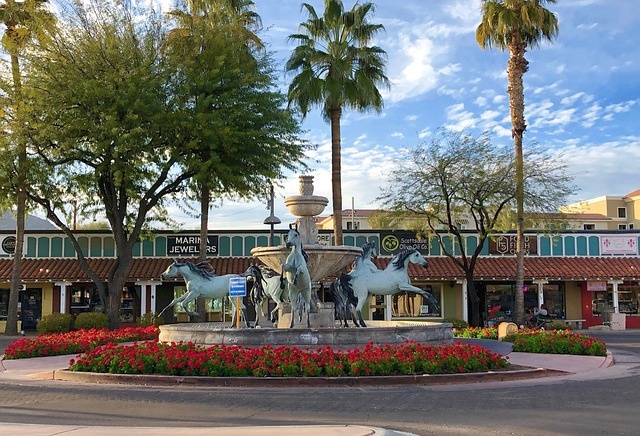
column 607, row 212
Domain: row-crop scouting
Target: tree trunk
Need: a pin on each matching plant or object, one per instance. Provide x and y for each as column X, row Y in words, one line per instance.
column 11, row 328
column 201, row 302
column 516, row 67
column 115, row 285
column 336, row 175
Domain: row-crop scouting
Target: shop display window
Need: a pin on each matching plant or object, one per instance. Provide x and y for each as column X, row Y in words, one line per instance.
column 4, row 303
column 628, row 298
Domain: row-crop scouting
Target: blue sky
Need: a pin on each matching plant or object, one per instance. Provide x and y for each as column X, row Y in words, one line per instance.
column 582, row 97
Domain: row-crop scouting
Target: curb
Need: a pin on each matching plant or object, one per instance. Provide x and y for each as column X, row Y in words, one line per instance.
column 419, row 380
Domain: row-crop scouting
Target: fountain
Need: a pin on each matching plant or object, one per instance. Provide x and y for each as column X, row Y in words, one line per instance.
column 323, row 261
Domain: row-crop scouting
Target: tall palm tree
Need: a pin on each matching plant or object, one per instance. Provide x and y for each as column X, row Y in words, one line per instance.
column 516, row 25
column 337, row 68
column 24, row 21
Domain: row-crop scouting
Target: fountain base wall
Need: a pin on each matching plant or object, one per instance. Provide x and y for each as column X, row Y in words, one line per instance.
column 380, row 333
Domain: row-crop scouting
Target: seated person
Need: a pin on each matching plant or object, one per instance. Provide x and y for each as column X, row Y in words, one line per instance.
column 539, row 318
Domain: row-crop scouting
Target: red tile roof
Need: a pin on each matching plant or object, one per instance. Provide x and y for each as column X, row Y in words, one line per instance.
column 440, row 268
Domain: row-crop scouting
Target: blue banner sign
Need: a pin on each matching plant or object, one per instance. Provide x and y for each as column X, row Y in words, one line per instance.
column 237, row 287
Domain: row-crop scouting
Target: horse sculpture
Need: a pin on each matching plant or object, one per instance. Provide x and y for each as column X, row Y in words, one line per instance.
column 266, row 285
column 393, row 279
column 295, row 271
column 345, row 304
column 200, row 281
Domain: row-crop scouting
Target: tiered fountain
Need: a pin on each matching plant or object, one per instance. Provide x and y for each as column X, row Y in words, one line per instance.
column 323, row 261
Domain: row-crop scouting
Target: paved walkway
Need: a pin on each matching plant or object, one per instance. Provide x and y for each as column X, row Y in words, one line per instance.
column 30, row 370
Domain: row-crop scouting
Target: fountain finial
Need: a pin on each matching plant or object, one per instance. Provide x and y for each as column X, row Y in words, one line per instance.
column 306, row 206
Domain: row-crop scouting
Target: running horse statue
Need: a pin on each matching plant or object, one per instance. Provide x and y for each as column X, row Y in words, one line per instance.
column 200, row 281
column 266, row 285
column 345, row 304
column 393, row 279
column 296, row 274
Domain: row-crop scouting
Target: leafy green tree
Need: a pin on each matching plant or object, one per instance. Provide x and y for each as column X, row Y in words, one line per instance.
column 24, row 21
column 456, row 177
column 516, row 25
column 125, row 119
column 337, row 68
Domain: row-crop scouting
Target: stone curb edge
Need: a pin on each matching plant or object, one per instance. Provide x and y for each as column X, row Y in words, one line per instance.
column 201, row 381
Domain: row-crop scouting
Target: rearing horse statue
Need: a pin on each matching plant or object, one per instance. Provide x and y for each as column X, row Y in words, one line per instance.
column 295, row 271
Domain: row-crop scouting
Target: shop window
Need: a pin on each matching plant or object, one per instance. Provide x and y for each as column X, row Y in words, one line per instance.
column 409, row 304
column 628, row 299
column 84, row 299
column 4, row 303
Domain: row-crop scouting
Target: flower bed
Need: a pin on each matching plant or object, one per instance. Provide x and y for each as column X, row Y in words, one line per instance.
column 476, row 332
column 238, row 361
column 556, row 342
column 79, row 341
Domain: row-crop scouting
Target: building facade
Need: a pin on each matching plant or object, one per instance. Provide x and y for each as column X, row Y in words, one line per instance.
column 580, row 275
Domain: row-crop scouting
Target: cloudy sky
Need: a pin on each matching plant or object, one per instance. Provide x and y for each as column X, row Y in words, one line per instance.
column 582, row 96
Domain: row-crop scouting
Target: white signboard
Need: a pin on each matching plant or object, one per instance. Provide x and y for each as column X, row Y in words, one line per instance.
column 618, row 244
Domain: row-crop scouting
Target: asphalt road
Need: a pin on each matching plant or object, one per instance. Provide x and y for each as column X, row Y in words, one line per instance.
column 606, row 405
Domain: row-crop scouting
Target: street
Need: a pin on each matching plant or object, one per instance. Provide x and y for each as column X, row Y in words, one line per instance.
column 604, row 404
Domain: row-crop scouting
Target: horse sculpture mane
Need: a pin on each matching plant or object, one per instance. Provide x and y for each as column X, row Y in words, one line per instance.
column 399, row 259
column 203, row 269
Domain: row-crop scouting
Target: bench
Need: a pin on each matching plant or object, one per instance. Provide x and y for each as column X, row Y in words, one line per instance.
column 577, row 322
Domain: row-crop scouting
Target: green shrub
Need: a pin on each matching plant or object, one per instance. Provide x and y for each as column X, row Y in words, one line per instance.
column 457, row 323
column 150, row 318
column 91, row 320
column 55, row 323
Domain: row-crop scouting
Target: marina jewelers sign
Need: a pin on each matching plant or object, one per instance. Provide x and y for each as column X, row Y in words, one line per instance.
column 186, row 245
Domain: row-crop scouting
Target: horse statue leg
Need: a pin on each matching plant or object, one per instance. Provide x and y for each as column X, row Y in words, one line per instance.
column 190, row 296
column 362, row 298
column 174, row 302
column 406, row 287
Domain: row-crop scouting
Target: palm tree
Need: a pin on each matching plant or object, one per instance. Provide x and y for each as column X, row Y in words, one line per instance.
column 337, row 68
column 24, row 21
column 516, row 25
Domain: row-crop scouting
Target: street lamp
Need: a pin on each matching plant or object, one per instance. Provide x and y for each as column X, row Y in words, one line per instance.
column 271, row 219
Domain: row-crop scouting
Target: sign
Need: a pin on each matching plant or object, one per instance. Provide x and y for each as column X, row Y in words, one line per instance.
column 618, row 244
column 8, row 245
column 393, row 242
column 506, row 244
column 596, row 286
column 189, row 245
column 237, row 287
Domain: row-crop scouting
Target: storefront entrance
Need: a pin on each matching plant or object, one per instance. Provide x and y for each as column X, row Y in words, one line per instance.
column 30, row 308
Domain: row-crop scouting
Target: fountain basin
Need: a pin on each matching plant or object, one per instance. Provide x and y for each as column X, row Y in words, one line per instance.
column 306, row 205
column 323, row 261
column 387, row 332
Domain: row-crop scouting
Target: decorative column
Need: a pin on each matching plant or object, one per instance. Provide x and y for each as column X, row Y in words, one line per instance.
column 614, row 284
column 63, row 295
column 540, row 284
column 464, row 298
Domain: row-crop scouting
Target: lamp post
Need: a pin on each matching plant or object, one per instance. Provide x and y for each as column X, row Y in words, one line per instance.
column 271, row 219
